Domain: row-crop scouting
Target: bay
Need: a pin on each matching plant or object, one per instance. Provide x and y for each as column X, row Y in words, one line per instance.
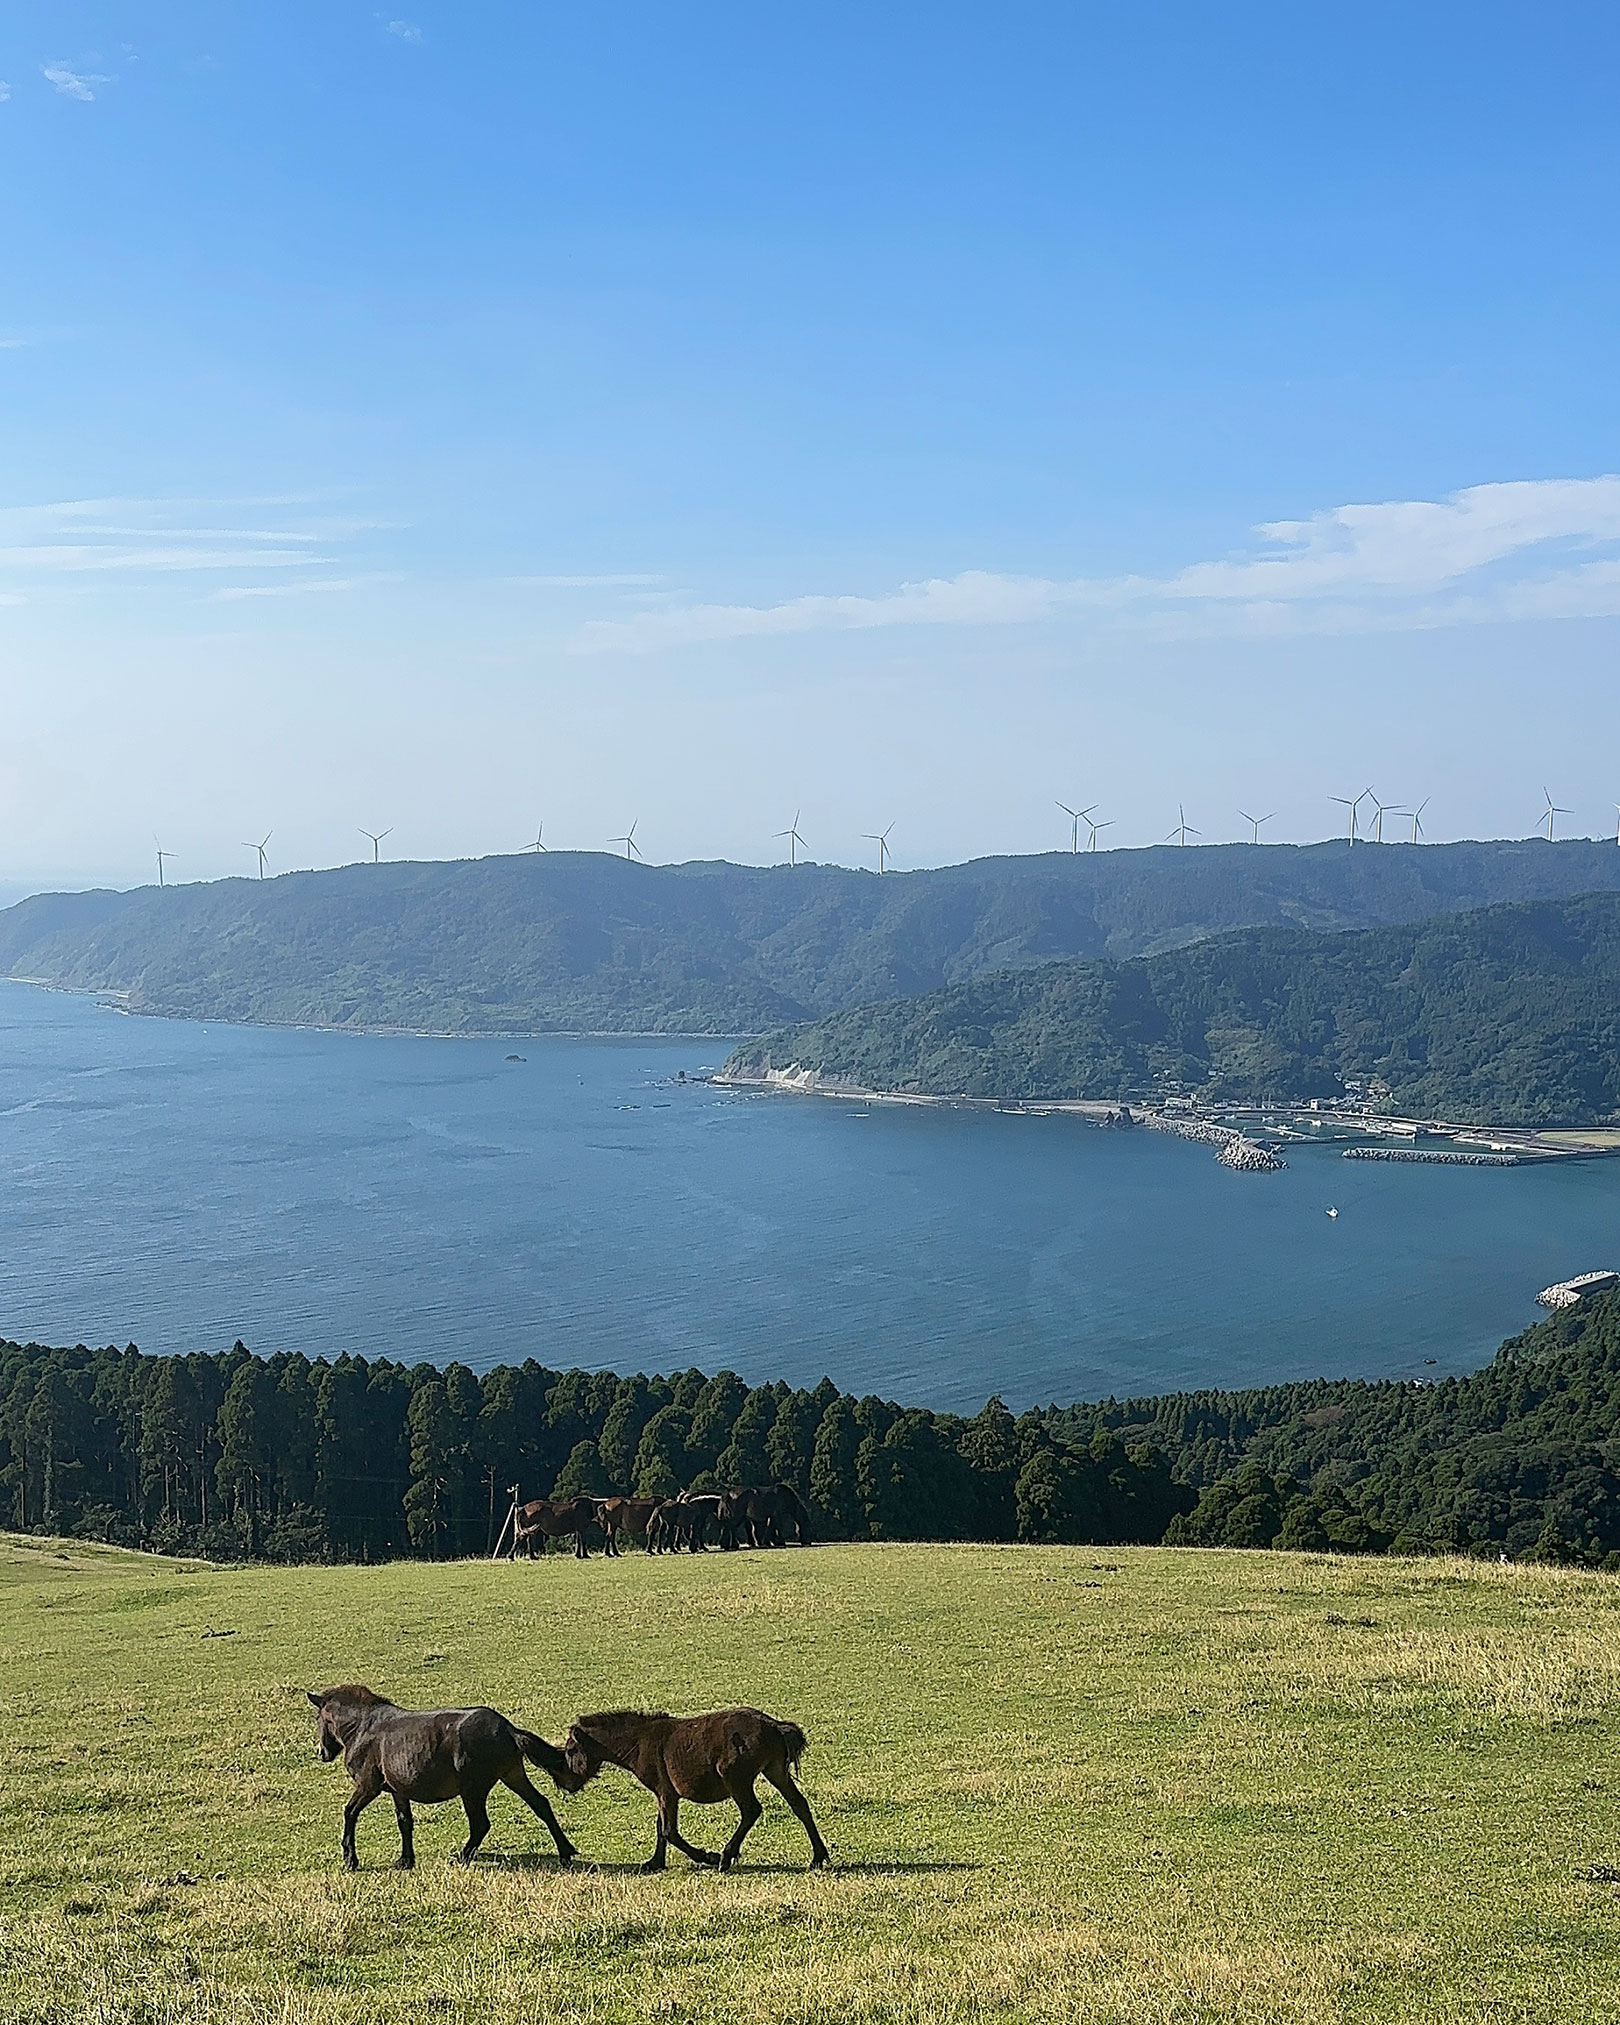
column 180, row 1186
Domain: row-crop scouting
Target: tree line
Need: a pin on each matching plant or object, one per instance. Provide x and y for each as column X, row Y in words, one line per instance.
column 357, row 1459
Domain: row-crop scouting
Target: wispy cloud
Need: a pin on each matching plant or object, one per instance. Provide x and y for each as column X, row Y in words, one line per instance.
column 1536, row 548
column 90, row 539
column 72, row 83
column 597, row 583
column 5, row 91
column 407, row 31
column 304, row 585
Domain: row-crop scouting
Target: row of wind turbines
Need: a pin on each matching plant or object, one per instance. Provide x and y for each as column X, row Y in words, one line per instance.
column 1358, row 832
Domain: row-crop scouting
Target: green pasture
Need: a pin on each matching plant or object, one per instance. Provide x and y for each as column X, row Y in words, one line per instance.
column 1059, row 1784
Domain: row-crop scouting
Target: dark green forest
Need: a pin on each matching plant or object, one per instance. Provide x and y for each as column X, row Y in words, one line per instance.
column 585, row 942
column 233, row 1456
column 1510, row 1015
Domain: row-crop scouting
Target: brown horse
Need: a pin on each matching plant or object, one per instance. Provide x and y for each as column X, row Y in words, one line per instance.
column 765, row 1514
column 429, row 1755
column 627, row 1515
column 706, row 1759
column 554, row 1519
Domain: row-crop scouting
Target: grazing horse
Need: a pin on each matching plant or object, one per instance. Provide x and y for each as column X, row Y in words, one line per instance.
column 433, row 1754
column 766, row 1514
column 554, row 1519
column 685, row 1521
column 706, row 1759
column 627, row 1515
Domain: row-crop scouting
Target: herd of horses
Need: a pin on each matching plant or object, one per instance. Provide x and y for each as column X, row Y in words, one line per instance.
column 762, row 1515
column 424, row 1755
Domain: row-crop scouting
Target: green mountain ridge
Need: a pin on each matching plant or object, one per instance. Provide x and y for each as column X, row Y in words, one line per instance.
column 1508, row 1015
column 580, row 941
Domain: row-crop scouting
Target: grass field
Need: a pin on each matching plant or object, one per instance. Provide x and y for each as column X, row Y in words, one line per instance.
column 1123, row 1785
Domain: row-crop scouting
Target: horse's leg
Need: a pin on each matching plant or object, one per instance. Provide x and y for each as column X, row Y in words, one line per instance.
column 407, row 1832
column 366, row 1789
column 741, row 1789
column 472, row 1798
column 537, row 1803
column 786, row 1785
column 669, row 1825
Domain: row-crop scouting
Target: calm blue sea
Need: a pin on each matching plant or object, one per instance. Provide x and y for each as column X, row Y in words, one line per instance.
column 180, row 1185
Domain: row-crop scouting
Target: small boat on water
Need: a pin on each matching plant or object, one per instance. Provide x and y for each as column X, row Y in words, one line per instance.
column 1332, row 1211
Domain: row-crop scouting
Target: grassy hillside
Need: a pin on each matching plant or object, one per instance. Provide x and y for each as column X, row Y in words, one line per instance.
column 586, row 941
column 1510, row 1014
column 1057, row 1784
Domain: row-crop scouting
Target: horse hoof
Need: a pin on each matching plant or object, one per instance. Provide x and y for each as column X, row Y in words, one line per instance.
column 406, row 1863
column 653, row 1863
column 567, row 1856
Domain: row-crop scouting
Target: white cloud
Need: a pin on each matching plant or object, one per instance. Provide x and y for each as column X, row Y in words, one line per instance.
column 611, row 583
column 5, row 91
column 305, row 584
column 407, row 31
column 1536, row 548
column 72, row 83
column 98, row 538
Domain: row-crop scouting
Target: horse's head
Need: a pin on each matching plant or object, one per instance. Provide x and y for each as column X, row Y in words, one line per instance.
column 583, row 1756
column 335, row 1713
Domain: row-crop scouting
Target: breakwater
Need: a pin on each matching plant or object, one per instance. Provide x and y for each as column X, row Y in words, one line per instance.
column 1428, row 1158
column 1232, row 1148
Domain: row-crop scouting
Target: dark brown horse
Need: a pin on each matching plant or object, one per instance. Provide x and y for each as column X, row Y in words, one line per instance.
column 627, row 1515
column 433, row 1754
column 554, row 1519
column 766, row 1514
column 685, row 1522
column 706, row 1759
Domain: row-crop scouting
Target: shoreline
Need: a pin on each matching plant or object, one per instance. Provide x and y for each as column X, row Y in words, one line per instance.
column 1285, row 1124
column 197, row 1019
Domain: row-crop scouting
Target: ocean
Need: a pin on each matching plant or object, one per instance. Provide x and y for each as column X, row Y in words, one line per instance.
column 181, row 1185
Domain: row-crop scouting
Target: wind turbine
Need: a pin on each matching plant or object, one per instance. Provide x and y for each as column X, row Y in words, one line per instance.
column 1552, row 811
column 795, row 841
column 881, row 839
column 1417, row 818
column 1076, row 818
column 260, row 849
column 1255, row 822
column 1094, row 827
column 161, row 855
column 1617, row 822
column 631, row 848
column 1378, row 820
column 1183, row 829
column 1345, row 802
column 539, row 843
column 376, row 837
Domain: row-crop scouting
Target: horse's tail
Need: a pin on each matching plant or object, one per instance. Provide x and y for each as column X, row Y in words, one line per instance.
column 794, row 1743
column 550, row 1760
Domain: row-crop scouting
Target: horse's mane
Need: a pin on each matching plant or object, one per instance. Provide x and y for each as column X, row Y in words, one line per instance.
column 357, row 1693
column 612, row 1718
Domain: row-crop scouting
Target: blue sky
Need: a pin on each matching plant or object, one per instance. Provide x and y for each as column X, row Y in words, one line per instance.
column 459, row 418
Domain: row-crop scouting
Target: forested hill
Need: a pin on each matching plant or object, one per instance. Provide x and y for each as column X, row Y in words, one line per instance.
column 583, row 941
column 363, row 1459
column 1510, row 1015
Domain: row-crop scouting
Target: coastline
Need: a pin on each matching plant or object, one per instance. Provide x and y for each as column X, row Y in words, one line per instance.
column 199, row 1019
column 1500, row 1145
